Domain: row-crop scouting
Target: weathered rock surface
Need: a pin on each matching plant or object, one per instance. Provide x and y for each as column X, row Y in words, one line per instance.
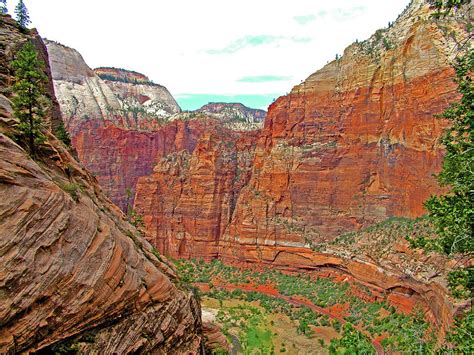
column 356, row 143
column 215, row 339
column 71, row 267
column 118, row 157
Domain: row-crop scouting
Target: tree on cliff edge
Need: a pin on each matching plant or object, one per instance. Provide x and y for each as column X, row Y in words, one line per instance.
column 22, row 16
column 30, row 102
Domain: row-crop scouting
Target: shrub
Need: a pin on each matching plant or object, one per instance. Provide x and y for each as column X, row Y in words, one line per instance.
column 72, row 189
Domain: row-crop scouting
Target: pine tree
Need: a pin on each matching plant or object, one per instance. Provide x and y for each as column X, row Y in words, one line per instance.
column 62, row 134
column 3, row 6
column 30, row 102
column 22, row 16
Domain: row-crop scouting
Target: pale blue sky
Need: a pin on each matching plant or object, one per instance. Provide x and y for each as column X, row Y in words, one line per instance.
column 212, row 50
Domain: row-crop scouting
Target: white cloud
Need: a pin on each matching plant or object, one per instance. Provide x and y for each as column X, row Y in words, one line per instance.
column 170, row 40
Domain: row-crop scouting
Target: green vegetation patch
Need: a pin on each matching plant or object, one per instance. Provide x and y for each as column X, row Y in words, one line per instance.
column 363, row 320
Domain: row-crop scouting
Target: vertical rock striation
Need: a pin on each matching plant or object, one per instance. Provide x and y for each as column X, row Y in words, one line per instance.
column 189, row 199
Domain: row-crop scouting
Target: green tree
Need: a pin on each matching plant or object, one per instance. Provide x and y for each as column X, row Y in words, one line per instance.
column 30, row 102
column 62, row 134
column 453, row 213
column 3, row 6
column 460, row 337
column 445, row 6
column 22, row 16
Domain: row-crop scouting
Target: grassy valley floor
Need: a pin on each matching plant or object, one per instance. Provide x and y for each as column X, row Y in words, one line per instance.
column 266, row 312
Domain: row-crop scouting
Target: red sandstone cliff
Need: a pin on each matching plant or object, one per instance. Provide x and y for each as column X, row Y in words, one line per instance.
column 189, row 199
column 357, row 142
column 71, row 267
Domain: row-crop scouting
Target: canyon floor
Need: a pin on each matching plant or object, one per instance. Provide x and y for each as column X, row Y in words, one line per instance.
column 267, row 311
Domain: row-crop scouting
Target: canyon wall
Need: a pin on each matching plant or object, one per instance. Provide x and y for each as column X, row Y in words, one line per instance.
column 354, row 144
column 122, row 124
column 72, row 270
column 189, row 199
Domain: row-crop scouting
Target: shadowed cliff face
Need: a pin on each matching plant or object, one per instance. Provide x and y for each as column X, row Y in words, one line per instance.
column 70, row 265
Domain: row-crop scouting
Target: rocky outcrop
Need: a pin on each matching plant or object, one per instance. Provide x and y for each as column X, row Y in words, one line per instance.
column 72, row 270
column 216, row 341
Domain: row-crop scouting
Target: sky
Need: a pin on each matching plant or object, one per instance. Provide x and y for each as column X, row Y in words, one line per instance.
column 249, row 51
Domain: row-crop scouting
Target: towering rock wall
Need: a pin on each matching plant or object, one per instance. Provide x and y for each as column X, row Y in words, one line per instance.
column 71, row 267
column 356, row 143
column 118, row 156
